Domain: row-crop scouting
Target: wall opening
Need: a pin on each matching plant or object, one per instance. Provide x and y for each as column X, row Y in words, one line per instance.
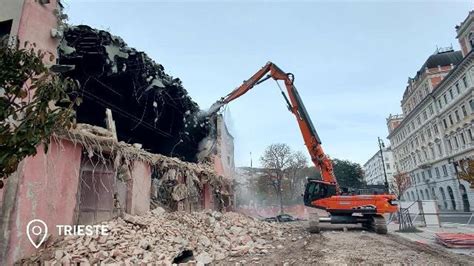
column 5, row 28
column 96, row 190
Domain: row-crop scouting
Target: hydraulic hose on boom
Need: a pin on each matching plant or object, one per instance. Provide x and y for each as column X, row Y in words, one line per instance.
column 296, row 106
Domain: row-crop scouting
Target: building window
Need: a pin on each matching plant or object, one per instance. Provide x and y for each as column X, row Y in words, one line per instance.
column 450, row 119
column 456, row 113
column 444, row 197
column 440, row 149
column 463, row 140
column 470, row 134
column 5, row 28
column 429, row 173
column 445, row 124
column 457, row 88
column 451, row 196
column 463, row 109
column 424, row 115
column 435, row 128
column 388, row 166
column 451, row 92
column 439, row 104
column 464, row 81
column 471, row 39
column 423, row 175
column 450, row 145
column 445, row 170
column 445, row 99
column 437, row 172
column 418, row 177
column 456, row 143
column 431, row 109
column 471, row 103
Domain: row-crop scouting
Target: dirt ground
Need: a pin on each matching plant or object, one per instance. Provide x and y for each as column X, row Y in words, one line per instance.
column 354, row 246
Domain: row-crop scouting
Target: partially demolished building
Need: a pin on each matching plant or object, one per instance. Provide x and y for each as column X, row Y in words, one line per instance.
column 135, row 146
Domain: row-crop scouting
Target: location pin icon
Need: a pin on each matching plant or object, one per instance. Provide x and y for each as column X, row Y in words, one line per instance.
column 36, row 228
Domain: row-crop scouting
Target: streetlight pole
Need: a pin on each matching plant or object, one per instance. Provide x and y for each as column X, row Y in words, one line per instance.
column 382, row 145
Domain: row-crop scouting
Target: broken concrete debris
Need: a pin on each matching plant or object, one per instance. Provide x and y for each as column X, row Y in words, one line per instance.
column 163, row 237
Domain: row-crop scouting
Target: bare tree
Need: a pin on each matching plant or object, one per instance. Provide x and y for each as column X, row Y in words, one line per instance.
column 298, row 162
column 276, row 159
column 401, row 182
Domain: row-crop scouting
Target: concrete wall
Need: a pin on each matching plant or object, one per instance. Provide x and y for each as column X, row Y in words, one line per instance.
column 46, row 190
column 11, row 9
column 224, row 161
column 36, row 23
column 139, row 188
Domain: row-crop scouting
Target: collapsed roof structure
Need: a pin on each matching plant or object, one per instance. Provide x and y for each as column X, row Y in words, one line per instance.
column 149, row 106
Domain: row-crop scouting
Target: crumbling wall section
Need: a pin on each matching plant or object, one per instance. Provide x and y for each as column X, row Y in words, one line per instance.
column 175, row 184
column 140, row 188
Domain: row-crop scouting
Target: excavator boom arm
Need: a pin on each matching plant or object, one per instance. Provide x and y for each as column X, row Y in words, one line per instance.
column 296, row 106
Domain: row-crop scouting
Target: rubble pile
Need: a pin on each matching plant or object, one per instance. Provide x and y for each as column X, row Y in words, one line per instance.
column 166, row 238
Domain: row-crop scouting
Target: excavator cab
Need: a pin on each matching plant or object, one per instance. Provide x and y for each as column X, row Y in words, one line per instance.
column 316, row 189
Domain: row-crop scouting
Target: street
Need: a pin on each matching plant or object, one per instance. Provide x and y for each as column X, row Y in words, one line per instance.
column 354, row 246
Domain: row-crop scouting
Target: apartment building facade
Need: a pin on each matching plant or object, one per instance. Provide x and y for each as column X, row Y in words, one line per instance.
column 434, row 136
column 374, row 168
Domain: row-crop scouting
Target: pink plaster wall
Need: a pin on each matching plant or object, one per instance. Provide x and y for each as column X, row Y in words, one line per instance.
column 47, row 191
column 36, row 23
column 1, row 194
column 140, row 188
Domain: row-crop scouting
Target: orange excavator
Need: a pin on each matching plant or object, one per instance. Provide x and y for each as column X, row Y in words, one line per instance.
column 323, row 194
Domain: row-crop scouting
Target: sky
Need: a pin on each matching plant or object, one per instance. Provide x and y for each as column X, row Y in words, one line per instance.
column 351, row 60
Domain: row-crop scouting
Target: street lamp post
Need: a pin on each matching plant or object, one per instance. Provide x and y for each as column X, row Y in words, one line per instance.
column 382, row 145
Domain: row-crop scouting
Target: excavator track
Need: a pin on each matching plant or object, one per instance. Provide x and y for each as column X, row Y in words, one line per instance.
column 313, row 223
column 377, row 224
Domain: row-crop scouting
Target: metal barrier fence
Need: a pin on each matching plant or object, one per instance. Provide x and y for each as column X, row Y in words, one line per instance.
column 429, row 218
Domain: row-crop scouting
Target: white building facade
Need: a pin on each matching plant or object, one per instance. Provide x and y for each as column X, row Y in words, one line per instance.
column 374, row 168
column 435, row 133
